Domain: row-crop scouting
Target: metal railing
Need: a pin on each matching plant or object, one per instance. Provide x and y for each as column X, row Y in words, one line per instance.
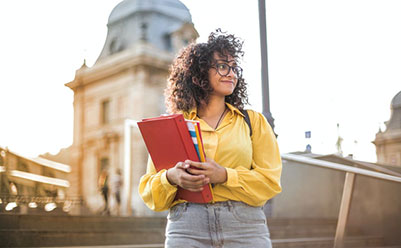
column 348, row 187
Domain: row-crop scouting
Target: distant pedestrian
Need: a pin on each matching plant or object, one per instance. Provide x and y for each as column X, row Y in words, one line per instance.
column 104, row 189
column 116, row 184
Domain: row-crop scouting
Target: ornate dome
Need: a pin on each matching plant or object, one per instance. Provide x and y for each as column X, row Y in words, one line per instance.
column 396, row 102
column 395, row 120
column 152, row 21
column 173, row 8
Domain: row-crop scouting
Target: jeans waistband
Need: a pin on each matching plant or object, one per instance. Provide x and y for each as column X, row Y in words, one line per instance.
column 229, row 204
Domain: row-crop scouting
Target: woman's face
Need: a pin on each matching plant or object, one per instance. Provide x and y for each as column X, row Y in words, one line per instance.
column 223, row 85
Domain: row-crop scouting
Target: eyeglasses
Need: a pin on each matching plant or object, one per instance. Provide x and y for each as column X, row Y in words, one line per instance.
column 224, row 69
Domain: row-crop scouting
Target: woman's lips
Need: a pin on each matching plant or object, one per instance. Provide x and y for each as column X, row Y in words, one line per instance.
column 229, row 82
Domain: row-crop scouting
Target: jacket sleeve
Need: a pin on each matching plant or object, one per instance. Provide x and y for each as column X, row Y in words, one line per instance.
column 261, row 182
column 155, row 190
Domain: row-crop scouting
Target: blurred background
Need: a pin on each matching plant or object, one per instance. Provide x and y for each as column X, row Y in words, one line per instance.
column 76, row 75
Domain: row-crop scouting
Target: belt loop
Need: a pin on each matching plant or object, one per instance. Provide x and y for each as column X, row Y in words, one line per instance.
column 230, row 205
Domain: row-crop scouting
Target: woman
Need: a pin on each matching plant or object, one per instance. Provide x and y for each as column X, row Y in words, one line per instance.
column 206, row 84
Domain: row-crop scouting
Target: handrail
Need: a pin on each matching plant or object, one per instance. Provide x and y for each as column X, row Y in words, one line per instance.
column 347, row 190
column 339, row 167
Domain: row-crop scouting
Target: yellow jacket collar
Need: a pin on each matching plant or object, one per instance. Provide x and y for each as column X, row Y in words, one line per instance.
column 234, row 109
column 191, row 115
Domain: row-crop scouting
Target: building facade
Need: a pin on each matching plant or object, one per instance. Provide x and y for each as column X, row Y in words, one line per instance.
column 33, row 185
column 388, row 143
column 126, row 83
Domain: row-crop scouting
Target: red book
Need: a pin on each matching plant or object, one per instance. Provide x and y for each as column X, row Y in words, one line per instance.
column 168, row 142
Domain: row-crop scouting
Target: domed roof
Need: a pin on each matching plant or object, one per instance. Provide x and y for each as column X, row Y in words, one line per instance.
column 395, row 120
column 150, row 21
column 172, row 8
column 396, row 102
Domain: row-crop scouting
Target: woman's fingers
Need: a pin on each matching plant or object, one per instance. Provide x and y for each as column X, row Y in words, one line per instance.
column 197, row 171
column 198, row 165
column 193, row 182
column 182, row 165
column 212, row 170
column 197, row 180
column 189, row 176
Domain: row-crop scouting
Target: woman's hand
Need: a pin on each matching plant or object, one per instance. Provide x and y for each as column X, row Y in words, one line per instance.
column 210, row 169
column 178, row 175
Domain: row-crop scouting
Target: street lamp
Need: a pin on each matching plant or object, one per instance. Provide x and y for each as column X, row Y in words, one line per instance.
column 264, row 65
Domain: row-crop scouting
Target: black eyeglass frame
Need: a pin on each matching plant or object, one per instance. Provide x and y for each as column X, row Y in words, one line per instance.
column 239, row 68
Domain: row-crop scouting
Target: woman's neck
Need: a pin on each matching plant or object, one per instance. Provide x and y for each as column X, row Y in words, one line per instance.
column 213, row 109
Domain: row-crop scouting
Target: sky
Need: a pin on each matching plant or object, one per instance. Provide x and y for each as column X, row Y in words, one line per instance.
column 330, row 62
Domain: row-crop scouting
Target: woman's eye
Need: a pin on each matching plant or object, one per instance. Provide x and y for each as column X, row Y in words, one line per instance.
column 222, row 66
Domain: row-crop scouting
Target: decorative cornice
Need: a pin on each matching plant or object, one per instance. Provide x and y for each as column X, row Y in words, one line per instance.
column 140, row 54
column 387, row 138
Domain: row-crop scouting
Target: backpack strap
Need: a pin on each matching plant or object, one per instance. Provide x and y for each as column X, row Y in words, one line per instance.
column 247, row 120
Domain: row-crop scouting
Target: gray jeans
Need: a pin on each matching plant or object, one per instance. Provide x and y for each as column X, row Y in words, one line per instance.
column 224, row 224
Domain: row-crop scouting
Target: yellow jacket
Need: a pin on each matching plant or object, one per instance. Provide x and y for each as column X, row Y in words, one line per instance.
column 253, row 163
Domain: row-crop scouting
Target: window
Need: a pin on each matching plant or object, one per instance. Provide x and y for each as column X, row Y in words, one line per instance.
column 393, row 159
column 167, row 42
column 47, row 172
column 104, row 164
column 116, row 46
column 105, row 114
column 21, row 166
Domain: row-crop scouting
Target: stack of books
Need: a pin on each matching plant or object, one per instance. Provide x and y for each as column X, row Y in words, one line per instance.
column 171, row 139
column 196, row 135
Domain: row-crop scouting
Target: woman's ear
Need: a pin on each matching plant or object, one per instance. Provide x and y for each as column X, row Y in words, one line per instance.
column 195, row 81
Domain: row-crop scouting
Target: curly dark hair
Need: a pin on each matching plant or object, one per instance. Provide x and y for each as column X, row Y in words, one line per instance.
column 188, row 84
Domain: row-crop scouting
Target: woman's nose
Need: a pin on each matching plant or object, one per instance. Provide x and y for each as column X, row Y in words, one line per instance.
column 231, row 73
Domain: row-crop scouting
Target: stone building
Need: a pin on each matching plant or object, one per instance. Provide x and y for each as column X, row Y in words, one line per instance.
column 388, row 143
column 126, row 83
column 33, row 185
